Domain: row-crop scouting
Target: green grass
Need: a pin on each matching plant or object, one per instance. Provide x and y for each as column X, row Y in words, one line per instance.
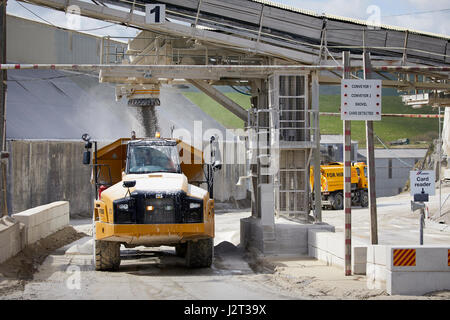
column 215, row 110
column 388, row 129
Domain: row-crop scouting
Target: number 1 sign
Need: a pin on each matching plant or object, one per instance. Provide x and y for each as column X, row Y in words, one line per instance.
column 155, row 13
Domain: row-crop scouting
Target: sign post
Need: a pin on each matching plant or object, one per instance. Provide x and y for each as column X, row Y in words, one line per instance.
column 422, row 185
column 347, row 175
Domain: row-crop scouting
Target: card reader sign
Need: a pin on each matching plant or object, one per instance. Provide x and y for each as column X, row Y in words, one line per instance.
column 361, row 100
column 422, row 181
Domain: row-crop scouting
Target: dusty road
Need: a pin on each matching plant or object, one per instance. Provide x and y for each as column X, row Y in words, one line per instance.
column 154, row 273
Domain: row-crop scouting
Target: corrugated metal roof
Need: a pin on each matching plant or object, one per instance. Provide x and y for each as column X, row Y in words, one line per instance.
column 345, row 19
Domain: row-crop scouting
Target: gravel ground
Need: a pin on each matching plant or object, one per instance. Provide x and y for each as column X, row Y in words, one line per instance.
column 60, row 267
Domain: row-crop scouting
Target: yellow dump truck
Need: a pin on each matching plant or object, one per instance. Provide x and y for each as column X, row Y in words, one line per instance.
column 332, row 184
column 147, row 196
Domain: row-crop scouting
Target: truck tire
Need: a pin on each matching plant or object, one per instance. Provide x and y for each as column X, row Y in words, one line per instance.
column 107, row 255
column 199, row 254
column 337, row 201
column 364, row 196
column 180, row 250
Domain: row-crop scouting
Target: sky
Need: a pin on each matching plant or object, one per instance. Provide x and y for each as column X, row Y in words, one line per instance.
column 419, row 15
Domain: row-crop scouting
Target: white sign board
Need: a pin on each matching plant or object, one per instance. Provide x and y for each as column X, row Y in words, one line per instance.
column 422, row 181
column 155, row 13
column 361, row 100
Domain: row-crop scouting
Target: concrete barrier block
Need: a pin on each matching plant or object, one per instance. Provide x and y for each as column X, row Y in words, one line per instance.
column 376, row 276
column 4, row 254
column 416, row 283
column 60, row 208
column 428, row 258
column 66, row 220
column 32, row 235
column 359, row 255
column 377, row 254
column 26, row 219
column 62, row 222
column 359, row 268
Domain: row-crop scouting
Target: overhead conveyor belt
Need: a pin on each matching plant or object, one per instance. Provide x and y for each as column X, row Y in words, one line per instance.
column 302, row 30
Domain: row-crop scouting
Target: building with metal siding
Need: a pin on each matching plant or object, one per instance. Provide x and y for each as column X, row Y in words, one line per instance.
column 34, row 42
column 392, row 168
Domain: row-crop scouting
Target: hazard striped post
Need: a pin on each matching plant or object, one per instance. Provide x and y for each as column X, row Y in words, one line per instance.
column 347, row 178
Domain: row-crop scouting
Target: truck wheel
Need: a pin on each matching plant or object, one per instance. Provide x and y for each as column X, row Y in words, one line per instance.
column 337, row 201
column 199, row 254
column 180, row 250
column 107, row 255
column 364, row 199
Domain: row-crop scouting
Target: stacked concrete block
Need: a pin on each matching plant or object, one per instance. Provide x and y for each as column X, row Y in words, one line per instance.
column 376, row 266
column 42, row 221
column 327, row 246
column 279, row 239
column 11, row 238
column 430, row 272
column 427, row 270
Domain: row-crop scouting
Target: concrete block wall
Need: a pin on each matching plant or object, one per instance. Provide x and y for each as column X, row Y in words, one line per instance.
column 325, row 245
column 279, row 239
column 11, row 238
column 376, row 273
column 431, row 271
column 44, row 220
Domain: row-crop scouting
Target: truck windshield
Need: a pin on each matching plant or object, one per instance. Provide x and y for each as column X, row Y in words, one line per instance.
column 152, row 158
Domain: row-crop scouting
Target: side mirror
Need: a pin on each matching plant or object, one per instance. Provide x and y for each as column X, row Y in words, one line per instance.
column 129, row 184
column 216, row 157
column 86, row 157
column 86, row 137
column 217, row 165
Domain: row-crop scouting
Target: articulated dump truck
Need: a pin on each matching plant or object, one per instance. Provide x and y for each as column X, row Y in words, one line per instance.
column 332, row 185
column 146, row 196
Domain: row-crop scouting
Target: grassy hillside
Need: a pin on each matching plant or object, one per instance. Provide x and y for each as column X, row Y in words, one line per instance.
column 215, row 110
column 388, row 129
